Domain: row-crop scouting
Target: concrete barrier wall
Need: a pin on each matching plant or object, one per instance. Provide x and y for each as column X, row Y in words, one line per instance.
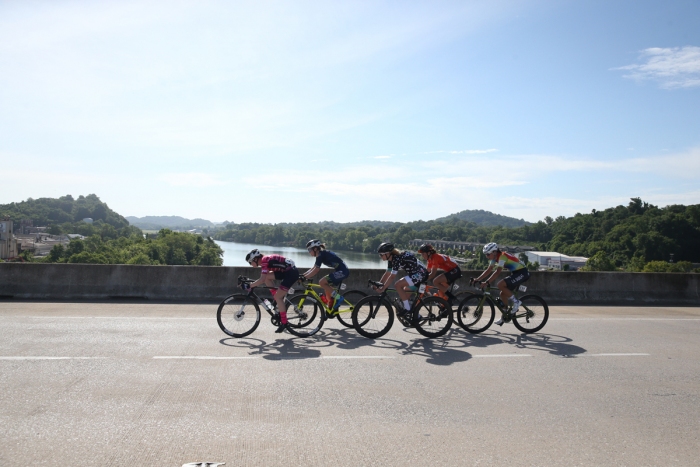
column 211, row 284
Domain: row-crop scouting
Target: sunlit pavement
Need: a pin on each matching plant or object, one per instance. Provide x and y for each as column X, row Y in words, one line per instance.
column 124, row 384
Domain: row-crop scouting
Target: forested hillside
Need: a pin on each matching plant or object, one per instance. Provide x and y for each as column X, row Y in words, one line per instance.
column 64, row 215
column 109, row 239
column 485, row 218
column 628, row 237
column 168, row 222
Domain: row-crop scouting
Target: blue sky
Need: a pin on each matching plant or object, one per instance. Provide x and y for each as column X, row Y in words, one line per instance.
column 309, row 111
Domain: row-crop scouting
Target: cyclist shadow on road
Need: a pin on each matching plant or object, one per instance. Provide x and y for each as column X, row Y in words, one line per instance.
column 554, row 344
column 448, row 349
column 280, row 349
column 349, row 339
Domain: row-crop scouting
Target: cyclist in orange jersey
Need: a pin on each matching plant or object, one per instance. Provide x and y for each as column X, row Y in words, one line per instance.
column 442, row 270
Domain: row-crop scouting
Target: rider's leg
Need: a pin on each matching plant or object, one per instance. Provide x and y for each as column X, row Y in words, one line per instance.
column 403, row 289
column 505, row 293
column 441, row 283
column 327, row 290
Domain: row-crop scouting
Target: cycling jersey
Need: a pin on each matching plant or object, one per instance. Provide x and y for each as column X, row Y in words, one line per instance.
column 283, row 269
column 276, row 263
column 329, row 258
column 507, row 261
column 438, row 261
column 409, row 263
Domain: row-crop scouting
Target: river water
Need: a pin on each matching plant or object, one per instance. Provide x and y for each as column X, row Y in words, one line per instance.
column 234, row 255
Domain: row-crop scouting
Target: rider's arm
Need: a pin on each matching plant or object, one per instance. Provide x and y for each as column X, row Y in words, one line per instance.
column 384, row 280
column 485, row 273
column 261, row 281
column 433, row 273
column 494, row 275
column 312, row 272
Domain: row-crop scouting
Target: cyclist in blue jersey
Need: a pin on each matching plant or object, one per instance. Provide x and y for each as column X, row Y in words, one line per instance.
column 416, row 273
column 326, row 257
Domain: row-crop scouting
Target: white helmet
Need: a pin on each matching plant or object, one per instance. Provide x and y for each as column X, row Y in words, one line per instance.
column 490, row 248
column 313, row 244
column 252, row 255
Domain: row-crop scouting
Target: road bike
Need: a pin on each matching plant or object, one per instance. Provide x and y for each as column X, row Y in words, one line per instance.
column 476, row 311
column 311, row 302
column 239, row 314
column 374, row 315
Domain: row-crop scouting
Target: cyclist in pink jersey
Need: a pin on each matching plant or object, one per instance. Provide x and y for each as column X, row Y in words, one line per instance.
column 498, row 260
column 275, row 267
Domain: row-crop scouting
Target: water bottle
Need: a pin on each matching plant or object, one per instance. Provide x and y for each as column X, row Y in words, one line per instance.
column 268, row 304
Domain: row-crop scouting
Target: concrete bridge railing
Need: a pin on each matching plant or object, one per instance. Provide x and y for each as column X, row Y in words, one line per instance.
column 211, row 284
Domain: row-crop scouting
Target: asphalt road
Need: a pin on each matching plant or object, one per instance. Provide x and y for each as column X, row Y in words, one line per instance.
column 108, row 384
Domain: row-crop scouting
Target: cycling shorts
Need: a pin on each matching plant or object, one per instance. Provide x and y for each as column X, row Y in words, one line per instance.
column 288, row 278
column 415, row 279
column 517, row 278
column 452, row 275
column 337, row 277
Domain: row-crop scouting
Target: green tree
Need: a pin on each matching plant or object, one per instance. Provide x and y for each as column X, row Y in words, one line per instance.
column 599, row 262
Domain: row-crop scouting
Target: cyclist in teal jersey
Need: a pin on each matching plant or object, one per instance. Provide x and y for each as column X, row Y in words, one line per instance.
column 498, row 260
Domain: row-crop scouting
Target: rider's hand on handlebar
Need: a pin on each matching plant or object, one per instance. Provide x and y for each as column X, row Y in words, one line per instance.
column 245, row 286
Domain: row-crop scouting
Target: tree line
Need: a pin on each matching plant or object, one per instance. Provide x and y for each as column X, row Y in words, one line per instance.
column 636, row 237
column 109, row 239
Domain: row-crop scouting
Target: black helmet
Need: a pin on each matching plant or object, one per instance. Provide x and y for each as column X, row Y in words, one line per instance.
column 385, row 248
column 426, row 248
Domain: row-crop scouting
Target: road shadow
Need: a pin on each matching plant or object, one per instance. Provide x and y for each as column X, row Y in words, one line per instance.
column 553, row 344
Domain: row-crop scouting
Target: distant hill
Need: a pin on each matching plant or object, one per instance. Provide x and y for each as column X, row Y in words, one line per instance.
column 485, row 218
column 168, row 222
column 64, row 211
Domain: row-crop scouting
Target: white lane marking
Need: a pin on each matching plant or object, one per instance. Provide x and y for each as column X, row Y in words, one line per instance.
column 612, row 355
column 502, row 355
column 202, row 357
column 354, row 356
column 594, row 318
column 52, row 358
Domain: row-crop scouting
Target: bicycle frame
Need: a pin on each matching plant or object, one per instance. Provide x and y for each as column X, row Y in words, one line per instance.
column 309, row 291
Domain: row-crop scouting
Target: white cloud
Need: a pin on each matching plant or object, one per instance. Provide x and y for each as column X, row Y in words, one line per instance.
column 677, row 67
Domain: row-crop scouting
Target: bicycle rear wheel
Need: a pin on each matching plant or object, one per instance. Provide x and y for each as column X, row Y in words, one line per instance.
column 532, row 314
column 435, row 317
column 350, row 298
column 475, row 313
column 373, row 316
column 238, row 315
column 304, row 315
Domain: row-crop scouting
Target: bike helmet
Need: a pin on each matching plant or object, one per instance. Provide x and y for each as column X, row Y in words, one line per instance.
column 255, row 253
column 313, row 244
column 490, row 248
column 385, row 248
column 426, row 248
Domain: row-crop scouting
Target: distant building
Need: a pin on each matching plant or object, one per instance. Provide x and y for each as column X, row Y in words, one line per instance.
column 8, row 243
column 88, row 220
column 554, row 260
column 466, row 246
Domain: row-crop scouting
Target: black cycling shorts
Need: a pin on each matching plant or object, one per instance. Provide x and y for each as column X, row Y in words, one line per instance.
column 288, row 278
column 517, row 278
column 452, row 275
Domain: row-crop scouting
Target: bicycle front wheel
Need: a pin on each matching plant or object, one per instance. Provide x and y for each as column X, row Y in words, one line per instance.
column 435, row 317
column 238, row 315
column 475, row 313
column 304, row 315
column 373, row 316
column 532, row 314
column 350, row 298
